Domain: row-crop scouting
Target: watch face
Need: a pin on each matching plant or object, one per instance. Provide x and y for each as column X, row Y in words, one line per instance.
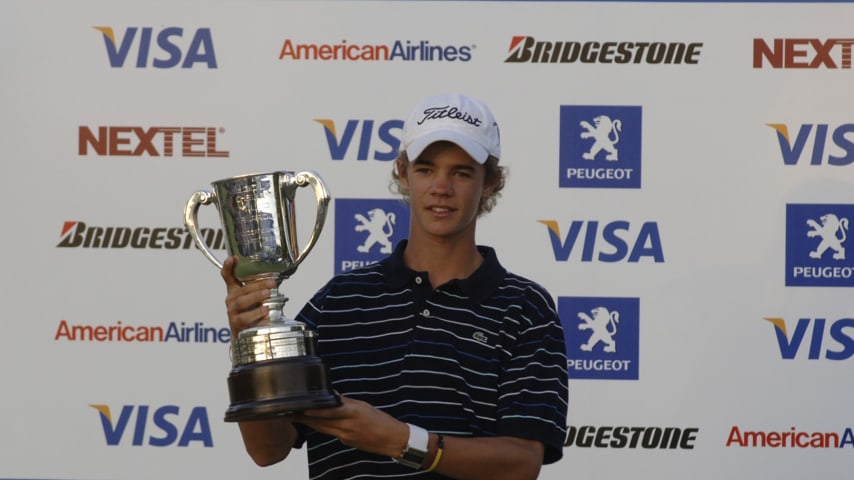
column 410, row 463
column 413, row 456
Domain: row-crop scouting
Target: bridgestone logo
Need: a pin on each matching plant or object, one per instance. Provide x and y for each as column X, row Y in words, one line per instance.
column 80, row 235
column 525, row 49
column 672, row 438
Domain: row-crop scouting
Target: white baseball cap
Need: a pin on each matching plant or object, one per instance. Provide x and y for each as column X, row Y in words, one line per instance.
column 455, row 118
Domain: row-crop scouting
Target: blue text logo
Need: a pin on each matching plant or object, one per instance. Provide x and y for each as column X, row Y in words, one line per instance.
column 817, row 244
column 158, row 427
column 366, row 139
column 600, row 147
column 165, row 48
column 811, row 334
column 612, row 242
column 818, row 143
column 601, row 336
column 366, row 230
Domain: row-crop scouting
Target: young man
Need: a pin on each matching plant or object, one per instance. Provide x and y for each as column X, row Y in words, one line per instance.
column 448, row 366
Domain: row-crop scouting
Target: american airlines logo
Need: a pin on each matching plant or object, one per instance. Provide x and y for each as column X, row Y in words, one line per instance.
column 399, row 50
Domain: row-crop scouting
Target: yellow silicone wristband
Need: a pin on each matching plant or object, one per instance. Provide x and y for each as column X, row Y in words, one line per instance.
column 439, row 450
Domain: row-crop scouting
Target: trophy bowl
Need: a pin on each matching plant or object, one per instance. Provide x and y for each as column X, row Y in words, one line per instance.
column 275, row 368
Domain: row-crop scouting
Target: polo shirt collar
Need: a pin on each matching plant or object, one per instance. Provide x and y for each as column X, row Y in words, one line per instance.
column 478, row 286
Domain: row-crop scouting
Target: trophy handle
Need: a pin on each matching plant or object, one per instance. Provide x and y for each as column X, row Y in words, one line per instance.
column 321, row 196
column 191, row 213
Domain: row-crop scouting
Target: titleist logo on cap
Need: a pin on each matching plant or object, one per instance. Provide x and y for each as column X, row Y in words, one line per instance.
column 454, row 118
column 449, row 112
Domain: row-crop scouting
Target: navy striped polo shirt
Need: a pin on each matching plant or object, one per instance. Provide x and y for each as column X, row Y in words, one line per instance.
column 482, row 356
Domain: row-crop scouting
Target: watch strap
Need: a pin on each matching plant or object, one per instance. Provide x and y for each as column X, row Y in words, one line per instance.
column 416, row 448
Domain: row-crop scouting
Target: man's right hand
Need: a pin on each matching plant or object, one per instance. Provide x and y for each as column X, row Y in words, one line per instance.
column 270, row 441
column 243, row 301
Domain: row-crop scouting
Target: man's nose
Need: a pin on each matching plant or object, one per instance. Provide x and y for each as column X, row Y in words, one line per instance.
column 442, row 184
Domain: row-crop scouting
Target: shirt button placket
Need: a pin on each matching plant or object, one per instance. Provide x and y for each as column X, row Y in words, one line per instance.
column 419, row 280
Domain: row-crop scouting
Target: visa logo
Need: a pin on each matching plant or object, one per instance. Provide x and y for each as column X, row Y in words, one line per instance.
column 793, row 149
column 158, row 427
column 365, row 133
column 615, row 241
column 166, row 49
column 790, row 343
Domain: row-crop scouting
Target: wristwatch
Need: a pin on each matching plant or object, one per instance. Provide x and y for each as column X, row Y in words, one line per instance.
column 416, row 448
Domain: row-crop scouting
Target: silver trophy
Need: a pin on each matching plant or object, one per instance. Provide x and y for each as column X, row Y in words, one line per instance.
column 275, row 370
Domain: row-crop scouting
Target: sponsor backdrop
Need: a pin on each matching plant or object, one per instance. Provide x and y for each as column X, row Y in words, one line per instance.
column 681, row 180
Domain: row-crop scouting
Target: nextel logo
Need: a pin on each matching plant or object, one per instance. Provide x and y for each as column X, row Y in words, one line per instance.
column 833, row 53
column 151, row 141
